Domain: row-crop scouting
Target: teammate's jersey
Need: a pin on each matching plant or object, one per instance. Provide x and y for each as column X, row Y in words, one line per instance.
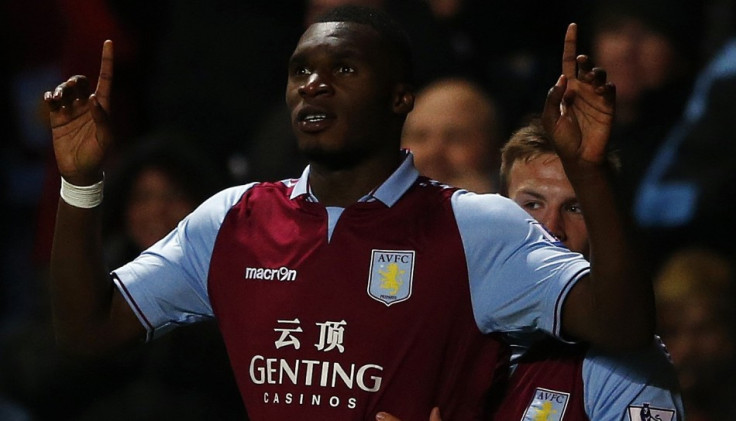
column 554, row 381
column 330, row 313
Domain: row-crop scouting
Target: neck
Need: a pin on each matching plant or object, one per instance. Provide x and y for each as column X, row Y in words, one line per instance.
column 343, row 187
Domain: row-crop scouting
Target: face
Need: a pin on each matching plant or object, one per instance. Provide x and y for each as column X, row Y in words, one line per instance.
column 698, row 340
column 155, row 206
column 449, row 133
column 636, row 58
column 541, row 187
column 445, row 9
column 343, row 94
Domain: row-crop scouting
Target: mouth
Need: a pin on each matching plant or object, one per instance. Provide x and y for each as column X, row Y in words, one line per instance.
column 311, row 119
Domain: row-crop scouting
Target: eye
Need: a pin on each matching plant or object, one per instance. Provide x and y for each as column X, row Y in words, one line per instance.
column 532, row 205
column 300, row 71
column 574, row 208
column 345, row 69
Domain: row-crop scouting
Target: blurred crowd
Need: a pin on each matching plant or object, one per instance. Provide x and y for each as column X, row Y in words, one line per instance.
column 198, row 104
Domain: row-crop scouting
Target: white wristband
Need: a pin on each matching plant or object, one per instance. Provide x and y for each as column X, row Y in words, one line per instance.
column 84, row 197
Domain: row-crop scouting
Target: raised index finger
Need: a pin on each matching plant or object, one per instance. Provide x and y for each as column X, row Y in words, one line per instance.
column 569, row 51
column 104, row 82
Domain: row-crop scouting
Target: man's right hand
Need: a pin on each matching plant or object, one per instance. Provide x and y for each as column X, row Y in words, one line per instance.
column 80, row 123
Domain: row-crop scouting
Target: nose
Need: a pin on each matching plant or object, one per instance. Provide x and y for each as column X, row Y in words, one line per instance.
column 684, row 345
column 315, row 84
column 555, row 224
column 440, row 167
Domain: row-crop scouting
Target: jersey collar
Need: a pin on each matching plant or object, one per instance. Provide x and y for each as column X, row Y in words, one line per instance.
column 387, row 193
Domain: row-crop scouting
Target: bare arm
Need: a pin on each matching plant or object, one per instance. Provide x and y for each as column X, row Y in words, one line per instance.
column 614, row 306
column 90, row 315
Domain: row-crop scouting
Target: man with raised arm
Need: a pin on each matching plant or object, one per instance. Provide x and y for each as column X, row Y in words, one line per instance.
column 360, row 285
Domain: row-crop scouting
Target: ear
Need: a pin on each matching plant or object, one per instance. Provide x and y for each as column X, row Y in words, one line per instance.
column 403, row 98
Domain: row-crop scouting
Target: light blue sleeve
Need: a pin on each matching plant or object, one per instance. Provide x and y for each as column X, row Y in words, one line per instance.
column 624, row 386
column 166, row 286
column 519, row 274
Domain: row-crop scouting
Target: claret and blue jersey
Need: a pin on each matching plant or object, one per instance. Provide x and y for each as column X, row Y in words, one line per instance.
column 393, row 303
column 555, row 381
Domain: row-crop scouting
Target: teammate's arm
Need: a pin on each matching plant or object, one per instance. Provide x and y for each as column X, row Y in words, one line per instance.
column 614, row 306
column 90, row 314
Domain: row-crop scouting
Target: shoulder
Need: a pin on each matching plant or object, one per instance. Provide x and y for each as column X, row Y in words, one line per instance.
column 214, row 209
column 474, row 207
column 488, row 202
column 227, row 198
column 492, row 216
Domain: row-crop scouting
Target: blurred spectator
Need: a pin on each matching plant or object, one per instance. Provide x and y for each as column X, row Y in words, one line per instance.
column 650, row 52
column 154, row 187
column 156, row 184
column 454, row 135
column 509, row 50
column 645, row 47
column 694, row 292
column 184, row 375
column 686, row 194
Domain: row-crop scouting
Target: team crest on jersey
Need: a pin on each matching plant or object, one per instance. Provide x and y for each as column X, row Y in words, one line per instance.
column 649, row 413
column 390, row 276
column 547, row 405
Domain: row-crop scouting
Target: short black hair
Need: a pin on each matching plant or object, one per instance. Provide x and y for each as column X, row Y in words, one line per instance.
column 391, row 33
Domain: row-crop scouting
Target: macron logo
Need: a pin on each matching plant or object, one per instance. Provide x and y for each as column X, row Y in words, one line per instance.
column 282, row 274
